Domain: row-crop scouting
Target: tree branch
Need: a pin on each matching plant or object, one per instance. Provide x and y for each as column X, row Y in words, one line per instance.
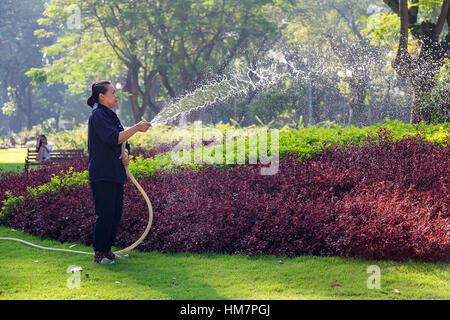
column 412, row 12
column 350, row 22
column 119, row 52
column 403, row 13
column 148, row 83
column 448, row 20
column 394, row 5
column 166, row 83
column 402, row 62
column 121, row 31
column 441, row 20
column 242, row 37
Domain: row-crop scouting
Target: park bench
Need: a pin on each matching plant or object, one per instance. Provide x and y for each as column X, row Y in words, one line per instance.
column 56, row 156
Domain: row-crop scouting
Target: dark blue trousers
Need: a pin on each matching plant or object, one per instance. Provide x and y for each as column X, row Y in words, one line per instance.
column 108, row 201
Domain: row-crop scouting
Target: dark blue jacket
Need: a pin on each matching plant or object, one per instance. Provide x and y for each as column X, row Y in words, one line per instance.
column 104, row 151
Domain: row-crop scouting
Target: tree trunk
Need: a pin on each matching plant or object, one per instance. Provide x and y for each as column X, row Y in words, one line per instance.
column 421, row 72
column 357, row 113
column 132, row 87
column 166, row 84
column 139, row 106
column 358, row 109
column 22, row 98
column 28, row 105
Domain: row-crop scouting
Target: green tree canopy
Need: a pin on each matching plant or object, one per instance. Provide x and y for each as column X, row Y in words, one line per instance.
column 139, row 42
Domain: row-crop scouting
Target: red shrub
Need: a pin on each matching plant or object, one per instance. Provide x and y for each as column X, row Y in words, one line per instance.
column 162, row 148
column 17, row 183
column 386, row 221
column 382, row 201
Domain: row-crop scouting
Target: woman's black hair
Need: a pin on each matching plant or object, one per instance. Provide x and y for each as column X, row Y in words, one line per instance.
column 97, row 88
column 40, row 142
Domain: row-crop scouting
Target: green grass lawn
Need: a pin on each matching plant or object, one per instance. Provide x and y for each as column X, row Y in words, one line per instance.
column 29, row 273
column 13, row 159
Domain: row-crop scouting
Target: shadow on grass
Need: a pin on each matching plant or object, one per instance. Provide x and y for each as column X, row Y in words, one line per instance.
column 143, row 275
column 192, row 276
column 167, row 273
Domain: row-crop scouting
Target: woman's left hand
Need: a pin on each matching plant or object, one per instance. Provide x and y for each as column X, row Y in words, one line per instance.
column 125, row 159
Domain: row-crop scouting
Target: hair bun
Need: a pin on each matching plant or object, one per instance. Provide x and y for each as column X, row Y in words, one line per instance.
column 91, row 101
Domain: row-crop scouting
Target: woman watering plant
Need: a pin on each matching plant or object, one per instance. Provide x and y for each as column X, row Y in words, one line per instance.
column 107, row 173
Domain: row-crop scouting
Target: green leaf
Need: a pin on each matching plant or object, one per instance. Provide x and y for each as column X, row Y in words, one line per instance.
column 259, row 120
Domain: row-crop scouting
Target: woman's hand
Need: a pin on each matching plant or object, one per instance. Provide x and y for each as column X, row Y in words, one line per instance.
column 125, row 159
column 143, row 126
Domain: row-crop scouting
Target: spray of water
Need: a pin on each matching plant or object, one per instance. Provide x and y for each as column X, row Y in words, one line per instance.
column 270, row 71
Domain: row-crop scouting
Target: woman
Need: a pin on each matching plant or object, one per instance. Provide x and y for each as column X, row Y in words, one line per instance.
column 107, row 173
column 43, row 149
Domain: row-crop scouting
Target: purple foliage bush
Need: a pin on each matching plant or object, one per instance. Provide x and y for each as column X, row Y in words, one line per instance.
column 17, row 183
column 384, row 200
column 162, row 148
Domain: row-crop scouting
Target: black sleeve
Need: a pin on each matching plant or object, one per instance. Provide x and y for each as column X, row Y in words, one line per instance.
column 105, row 129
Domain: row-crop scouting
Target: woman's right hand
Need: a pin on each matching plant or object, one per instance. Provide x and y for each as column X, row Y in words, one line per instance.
column 143, row 126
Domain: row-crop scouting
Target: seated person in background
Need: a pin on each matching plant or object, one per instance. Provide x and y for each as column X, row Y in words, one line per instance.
column 43, row 149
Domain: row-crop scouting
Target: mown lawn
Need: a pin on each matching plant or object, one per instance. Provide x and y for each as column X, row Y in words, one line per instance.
column 12, row 159
column 29, row 273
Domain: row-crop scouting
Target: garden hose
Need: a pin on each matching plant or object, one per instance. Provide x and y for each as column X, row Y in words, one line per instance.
column 149, row 206
column 120, row 252
column 44, row 248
